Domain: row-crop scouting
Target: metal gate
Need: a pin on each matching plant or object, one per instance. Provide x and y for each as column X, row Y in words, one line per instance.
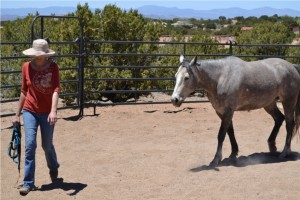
column 79, row 55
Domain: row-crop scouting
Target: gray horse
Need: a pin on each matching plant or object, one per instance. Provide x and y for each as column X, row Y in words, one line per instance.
column 235, row 85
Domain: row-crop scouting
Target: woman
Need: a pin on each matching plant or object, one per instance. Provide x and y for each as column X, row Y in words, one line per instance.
column 38, row 100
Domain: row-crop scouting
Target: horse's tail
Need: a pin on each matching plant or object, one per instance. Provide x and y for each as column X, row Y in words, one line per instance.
column 297, row 110
column 297, row 117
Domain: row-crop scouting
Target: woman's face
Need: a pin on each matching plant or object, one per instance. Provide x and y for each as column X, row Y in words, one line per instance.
column 40, row 60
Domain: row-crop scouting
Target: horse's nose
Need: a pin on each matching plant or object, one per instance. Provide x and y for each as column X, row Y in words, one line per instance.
column 174, row 100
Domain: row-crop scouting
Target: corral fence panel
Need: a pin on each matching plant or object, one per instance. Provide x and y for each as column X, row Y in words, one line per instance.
column 90, row 61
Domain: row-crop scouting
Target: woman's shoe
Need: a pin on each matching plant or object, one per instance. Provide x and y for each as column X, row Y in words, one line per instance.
column 53, row 174
column 24, row 190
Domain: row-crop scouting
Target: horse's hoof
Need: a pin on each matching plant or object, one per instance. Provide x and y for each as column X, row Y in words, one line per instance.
column 233, row 155
column 214, row 164
column 272, row 147
column 284, row 153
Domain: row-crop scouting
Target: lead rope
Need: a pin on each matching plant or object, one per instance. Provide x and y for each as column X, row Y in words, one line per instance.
column 14, row 147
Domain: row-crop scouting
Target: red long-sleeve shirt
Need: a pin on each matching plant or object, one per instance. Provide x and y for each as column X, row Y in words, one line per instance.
column 39, row 86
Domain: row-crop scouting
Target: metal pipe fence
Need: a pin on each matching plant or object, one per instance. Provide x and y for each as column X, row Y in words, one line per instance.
column 85, row 61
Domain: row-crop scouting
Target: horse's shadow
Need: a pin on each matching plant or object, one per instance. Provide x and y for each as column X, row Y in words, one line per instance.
column 71, row 188
column 253, row 159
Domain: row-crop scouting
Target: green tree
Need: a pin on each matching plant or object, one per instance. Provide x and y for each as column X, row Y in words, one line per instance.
column 114, row 24
column 17, row 30
column 294, row 51
column 265, row 33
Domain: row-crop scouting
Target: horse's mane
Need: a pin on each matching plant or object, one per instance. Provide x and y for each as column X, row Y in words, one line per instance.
column 220, row 61
column 186, row 64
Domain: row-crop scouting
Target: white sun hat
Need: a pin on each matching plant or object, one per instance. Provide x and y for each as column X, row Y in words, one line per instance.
column 39, row 48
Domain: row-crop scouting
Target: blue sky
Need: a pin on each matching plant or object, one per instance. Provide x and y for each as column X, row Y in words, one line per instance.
column 125, row 4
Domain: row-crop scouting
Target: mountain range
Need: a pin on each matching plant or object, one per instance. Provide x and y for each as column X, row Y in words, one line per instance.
column 170, row 13
column 159, row 12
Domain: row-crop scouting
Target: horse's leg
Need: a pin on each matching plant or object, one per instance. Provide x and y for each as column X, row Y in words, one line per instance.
column 234, row 145
column 290, row 123
column 278, row 117
column 225, row 124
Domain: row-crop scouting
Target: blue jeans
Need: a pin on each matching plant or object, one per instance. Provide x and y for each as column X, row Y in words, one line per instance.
column 31, row 123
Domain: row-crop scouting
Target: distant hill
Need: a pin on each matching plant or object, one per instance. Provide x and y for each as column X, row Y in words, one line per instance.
column 14, row 13
column 170, row 13
column 158, row 12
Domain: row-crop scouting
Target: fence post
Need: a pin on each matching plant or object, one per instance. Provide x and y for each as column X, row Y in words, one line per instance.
column 81, row 75
column 231, row 44
column 42, row 27
column 230, row 47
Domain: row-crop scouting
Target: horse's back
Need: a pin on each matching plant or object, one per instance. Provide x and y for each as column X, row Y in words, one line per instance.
column 263, row 73
column 256, row 84
column 285, row 71
column 271, row 69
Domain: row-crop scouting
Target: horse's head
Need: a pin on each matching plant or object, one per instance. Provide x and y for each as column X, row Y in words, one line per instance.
column 185, row 81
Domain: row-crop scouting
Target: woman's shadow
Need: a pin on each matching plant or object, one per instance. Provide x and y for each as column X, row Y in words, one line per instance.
column 253, row 159
column 71, row 188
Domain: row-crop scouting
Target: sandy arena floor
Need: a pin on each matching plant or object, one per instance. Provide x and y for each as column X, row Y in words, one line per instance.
column 157, row 152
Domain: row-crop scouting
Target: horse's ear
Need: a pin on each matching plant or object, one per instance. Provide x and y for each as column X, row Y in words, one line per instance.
column 181, row 59
column 194, row 61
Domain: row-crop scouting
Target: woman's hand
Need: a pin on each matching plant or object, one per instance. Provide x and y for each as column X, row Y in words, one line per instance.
column 52, row 117
column 16, row 120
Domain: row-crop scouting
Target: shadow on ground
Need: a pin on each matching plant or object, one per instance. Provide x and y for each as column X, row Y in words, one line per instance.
column 71, row 188
column 253, row 159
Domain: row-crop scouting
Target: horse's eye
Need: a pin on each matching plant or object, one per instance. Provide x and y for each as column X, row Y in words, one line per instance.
column 186, row 78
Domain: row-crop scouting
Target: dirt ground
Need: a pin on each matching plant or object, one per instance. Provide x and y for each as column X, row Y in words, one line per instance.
column 156, row 152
